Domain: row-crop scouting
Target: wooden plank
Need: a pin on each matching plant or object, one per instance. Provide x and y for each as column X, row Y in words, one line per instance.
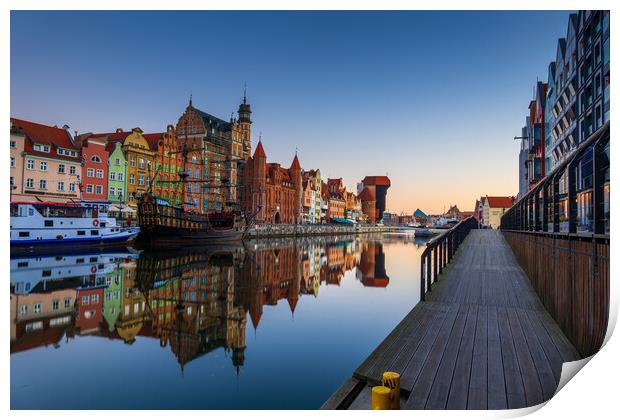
column 440, row 388
column 421, row 389
column 496, row 385
column 477, row 397
column 340, row 395
column 529, row 375
column 515, row 393
column 410, row 342
column 546, row 377
column 379, row 351
column 460, row 388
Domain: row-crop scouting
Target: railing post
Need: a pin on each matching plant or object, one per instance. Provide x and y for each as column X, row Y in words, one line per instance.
column 428, row 272
column 440, row 246
column 435, row 261
column 422, row 280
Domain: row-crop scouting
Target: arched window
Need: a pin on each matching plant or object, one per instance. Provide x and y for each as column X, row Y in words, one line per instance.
column 95, row 159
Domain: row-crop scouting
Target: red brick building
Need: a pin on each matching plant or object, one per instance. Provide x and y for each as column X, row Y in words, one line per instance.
column 270, row 192
column 372, row 194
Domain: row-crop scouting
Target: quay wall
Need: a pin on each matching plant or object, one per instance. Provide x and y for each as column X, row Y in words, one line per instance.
column 279, row 231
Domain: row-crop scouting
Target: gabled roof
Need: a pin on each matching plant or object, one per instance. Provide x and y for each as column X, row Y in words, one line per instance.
column 44, row 134
column 500, row 202
column 211, row 121
column 153, row 139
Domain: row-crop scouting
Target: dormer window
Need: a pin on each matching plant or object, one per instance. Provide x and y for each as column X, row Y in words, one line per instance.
column 65, row 152
column 41, row 148
column 95, row 159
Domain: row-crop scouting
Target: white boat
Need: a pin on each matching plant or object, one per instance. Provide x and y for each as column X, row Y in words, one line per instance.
column 48, row 224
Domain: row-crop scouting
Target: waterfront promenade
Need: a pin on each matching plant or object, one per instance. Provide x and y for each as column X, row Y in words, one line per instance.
column 481, row 340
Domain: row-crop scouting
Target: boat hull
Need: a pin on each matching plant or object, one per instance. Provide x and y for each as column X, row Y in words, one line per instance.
column 171, row 236
column 118, row 239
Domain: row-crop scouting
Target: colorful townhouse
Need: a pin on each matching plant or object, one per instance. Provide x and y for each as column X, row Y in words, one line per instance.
column 117, row 172
column 168, row 164
column 94, row 168
column 45, row 163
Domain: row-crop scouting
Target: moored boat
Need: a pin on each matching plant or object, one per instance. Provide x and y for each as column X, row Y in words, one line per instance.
column 164, row 224
column 58, row 225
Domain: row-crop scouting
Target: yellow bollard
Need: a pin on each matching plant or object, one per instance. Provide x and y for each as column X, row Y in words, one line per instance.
column 380, row 398
column 391, row 380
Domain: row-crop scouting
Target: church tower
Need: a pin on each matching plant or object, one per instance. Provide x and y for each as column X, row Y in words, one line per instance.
column 295, row 171
column 245, row 124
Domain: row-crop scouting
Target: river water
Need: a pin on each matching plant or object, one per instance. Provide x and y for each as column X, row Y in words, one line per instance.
column 272, row 324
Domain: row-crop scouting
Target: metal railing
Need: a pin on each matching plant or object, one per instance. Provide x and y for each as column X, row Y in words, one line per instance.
column 559, row 233
column 439, row 252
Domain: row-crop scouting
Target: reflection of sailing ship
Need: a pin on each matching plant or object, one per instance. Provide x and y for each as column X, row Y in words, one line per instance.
column 194, row 300
column 190, row 301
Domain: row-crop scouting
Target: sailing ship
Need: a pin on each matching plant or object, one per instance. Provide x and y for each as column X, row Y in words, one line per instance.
column 162, row 223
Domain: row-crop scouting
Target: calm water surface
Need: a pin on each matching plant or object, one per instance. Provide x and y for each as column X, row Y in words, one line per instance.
column 270, row 325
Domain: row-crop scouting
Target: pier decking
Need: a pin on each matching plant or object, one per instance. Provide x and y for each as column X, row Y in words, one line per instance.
column 481, row 340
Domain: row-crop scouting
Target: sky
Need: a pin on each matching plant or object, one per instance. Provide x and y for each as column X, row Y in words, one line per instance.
column 432, row 99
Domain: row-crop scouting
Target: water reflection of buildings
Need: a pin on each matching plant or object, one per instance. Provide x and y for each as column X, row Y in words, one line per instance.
column 193, row 301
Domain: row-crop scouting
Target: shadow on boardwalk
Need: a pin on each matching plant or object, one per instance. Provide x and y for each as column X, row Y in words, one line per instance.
column 481, row 340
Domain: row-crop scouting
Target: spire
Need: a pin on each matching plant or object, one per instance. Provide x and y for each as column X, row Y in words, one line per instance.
column 259, row 152
column 295, row 164
column 190, row 99
column 245, row 99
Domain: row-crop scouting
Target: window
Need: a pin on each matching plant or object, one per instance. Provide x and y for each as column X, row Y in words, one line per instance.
column 37, row 308
column 43, row 166
column 72, row 187
column 112, row 191
column 81, row 232
column 112, row 176
column 197, row 173
column 13, row 144
column 61, row 168
column 100, row 173
column 98, row 189
column 117, row 162
column 94, row 299
column 12, row 162
column 119, row 191
column 85, row 300
column 132, row 161
column 140, row 179
column 61, row 186
column 95, row 159
column 67, row 303
column 12, row 181
column 72, row 170
column 55, row 304
column 30, row 164
column 90, row 172
column 23, row 309
column 120, row 176
column 189, row 187
column 41, row 148
column 132, row 179
column 141, row 163
column 89, row 188
column 43, row 184
column 94, row 232
column 29, row 183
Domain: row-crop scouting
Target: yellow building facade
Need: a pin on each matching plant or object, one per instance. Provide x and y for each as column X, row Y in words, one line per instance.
column 140, row 166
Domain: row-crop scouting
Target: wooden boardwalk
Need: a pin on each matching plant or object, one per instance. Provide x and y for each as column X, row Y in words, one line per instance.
column 481, row 340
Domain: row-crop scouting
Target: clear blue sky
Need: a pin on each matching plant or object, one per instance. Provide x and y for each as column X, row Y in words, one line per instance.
column 433, row 99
